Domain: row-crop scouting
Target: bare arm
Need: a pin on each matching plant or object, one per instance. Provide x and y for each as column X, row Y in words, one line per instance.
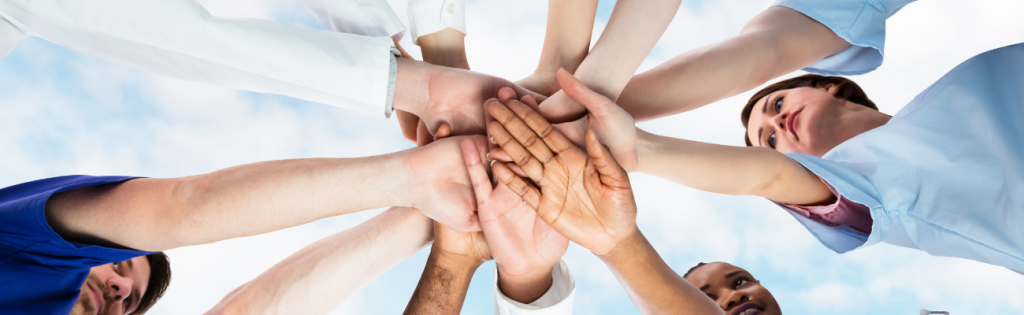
column 454, row 258
column 633, row 29
column 730, row 170
column 160, row 214
column 775, row 42
column 566, row 43
column 319, row 277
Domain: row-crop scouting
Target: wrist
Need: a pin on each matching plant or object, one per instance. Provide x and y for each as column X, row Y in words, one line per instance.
column 625, row 249
column 524, row 287
column 412, row 85
column 646, row 148
column 455, row 262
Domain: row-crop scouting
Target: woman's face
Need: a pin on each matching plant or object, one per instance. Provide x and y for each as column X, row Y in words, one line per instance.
column 734, row 289
column 809, row 120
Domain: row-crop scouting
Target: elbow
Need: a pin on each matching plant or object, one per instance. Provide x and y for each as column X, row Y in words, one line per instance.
column 183, row 212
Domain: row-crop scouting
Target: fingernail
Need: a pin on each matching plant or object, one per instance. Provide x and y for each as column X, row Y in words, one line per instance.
column 488, row 156
column 492, row 141
column 492, row 163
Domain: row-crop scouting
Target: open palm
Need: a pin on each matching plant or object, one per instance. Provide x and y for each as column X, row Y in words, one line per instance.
column 584, row 195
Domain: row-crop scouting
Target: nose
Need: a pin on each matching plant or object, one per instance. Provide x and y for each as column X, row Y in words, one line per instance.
column 119, row 288
column 779, row 122
column 734, row 299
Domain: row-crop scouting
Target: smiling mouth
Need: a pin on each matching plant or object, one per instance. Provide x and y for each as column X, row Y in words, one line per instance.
column 791, row 123
column 750, row 308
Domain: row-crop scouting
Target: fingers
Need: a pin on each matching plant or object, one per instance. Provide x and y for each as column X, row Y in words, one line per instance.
column 505, row 94
column 529, row 193
column 477, row 172
column 408, row 122
column 499, row 155
column 444, row 131
column 595, row 103
column 612, row 174
column 524, row 92
column 553, row 140
column 515, row 151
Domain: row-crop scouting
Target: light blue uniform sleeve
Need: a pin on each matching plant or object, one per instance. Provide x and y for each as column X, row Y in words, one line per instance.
column 860, row 22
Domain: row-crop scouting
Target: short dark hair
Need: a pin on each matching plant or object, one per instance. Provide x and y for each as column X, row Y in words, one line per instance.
column 159, row 279
column 687, row 274
column 848, row 90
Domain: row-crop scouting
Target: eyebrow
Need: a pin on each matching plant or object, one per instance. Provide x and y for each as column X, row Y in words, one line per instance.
column 705, row 287
column 130, row 264
column 731, row 274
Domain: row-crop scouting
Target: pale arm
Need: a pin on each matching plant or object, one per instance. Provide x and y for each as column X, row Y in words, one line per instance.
column 775, row 42
column 319, row 277
column 730, row 170
column 160, row 214
column 566, row 43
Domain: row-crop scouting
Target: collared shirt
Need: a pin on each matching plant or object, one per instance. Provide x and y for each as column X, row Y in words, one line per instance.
column 859, row 22
column 180, row 39
column 43, row 273
column 946, row 173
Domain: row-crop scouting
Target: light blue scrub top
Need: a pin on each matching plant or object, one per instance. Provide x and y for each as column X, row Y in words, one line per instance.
column 860, row 22
column 946, row 173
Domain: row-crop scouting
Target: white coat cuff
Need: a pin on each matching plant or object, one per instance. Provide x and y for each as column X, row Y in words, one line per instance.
column 430, row 16
column 557, row 300
column 10, row 35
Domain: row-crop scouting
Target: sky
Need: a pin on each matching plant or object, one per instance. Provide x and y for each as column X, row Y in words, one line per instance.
column 66, row 113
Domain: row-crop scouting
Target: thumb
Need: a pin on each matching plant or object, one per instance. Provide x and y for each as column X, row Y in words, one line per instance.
column 596, row 103
column 612, row 174
column 477, row 172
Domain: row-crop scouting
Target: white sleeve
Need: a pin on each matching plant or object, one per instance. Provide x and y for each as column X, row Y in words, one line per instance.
column 10, row 35
column 365, row 17
column 180, row 39
column 430, row 16
column 556, row 301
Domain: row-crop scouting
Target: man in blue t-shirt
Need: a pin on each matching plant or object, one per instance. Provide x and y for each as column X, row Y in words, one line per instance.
column 91, row 245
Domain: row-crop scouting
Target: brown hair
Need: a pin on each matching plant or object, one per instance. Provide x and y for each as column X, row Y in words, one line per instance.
column 159, row 279
column 848, row 90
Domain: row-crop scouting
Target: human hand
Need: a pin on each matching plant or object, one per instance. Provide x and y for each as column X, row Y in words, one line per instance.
column 444, row 191
column 469, row 247
column 585, row 196
column 524, row 247
column 543, row 83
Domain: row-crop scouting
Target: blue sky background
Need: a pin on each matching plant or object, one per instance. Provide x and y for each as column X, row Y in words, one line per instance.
column 67, row 113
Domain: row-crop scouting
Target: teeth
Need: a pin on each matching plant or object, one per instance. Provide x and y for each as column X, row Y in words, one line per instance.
column 749, row 311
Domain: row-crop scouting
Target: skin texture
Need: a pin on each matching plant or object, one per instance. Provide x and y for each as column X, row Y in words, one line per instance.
column 566, row 43
column 809, row 120
column 731, row 287
column 633, row 29
column 709, row 167
column 586, row 196
column 161, row 214
column 113, row 288
column 321, row 276
column 453, row 259
column 773, row 43
column 446, row 48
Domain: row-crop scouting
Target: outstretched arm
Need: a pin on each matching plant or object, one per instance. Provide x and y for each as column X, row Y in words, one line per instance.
column 775, row 42
column 159, row 214
column 454, row 258
column 566, row 43
column 319, row 277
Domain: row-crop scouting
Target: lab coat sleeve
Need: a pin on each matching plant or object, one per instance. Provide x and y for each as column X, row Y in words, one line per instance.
column 431, row 16
column 366, row 17
column 180, row 39
column 556, row 301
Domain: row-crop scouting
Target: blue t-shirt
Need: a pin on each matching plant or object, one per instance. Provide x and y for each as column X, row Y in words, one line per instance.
column 40, row 272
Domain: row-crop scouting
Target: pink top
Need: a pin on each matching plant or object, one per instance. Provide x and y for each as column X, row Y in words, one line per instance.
column 841, row 212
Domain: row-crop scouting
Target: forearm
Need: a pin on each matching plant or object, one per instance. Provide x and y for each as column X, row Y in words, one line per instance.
column 319, row 277
column 633, row 29
column 443, row 286
column 445, row 48
column 729, row 170
column 774, row 43
column 570, row 24
column 525, row 288
column 652, row 285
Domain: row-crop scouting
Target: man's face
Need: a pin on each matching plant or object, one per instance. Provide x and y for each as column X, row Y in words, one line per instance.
column 114, row 288
column 734, row 289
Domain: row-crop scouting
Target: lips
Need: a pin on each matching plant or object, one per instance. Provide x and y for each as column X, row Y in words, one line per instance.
column 750, row 308
column 791, row 123
column 97, row 297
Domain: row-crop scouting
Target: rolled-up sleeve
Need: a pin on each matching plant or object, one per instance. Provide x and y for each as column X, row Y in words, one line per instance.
column 365, row 17
column 556, row 301
column 859, row 22
column 430, row 16
column 180, row 39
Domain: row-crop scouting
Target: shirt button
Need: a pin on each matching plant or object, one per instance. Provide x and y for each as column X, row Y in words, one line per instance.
column 451, row 8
